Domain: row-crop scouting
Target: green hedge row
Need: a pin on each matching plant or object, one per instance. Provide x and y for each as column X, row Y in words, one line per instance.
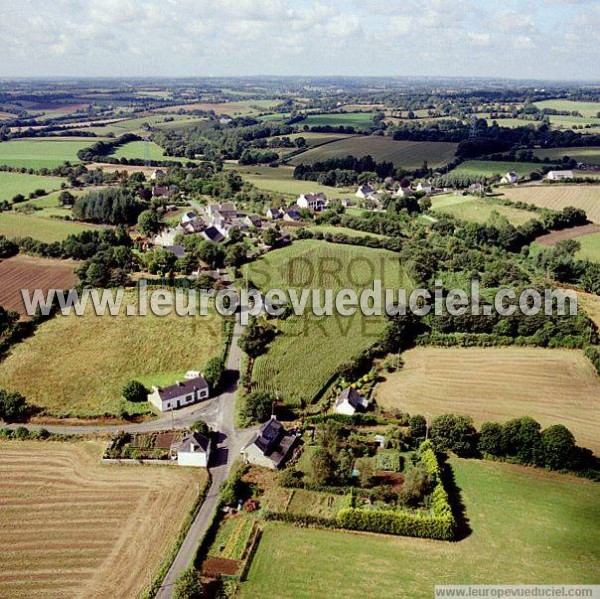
column 395, row 522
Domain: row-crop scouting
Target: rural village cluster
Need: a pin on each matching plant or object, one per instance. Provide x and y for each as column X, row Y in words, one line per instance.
column 399, row 284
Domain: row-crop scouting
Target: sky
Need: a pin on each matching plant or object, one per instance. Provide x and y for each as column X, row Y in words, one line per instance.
column 514, row 39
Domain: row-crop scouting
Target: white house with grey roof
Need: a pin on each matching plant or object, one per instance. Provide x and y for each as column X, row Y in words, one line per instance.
column 349, row 401
column 192, row 450
column 179, row 395
column 271, row 447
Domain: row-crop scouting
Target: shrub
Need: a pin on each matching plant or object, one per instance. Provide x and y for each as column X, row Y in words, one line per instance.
column 451, row 432
column 522, row 440
column 199, row 426
column 188, row 585
column 13, row 407
column 134, row 391
column 258, row 406
column 559, row 447
column 490, row 439
column 213, row 373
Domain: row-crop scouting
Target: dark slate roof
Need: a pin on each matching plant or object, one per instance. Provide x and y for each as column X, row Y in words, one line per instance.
column 178, row 250
column 274, row 442
column 183, row 388
column 353, row 397
column 198, row 439
column 213, row 234
column 269, row 435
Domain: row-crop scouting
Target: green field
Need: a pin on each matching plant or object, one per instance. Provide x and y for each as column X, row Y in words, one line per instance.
column 590, row 247
column 12, row 184
column 138, row 125
column 105, row 352
column 344, row 230
column 587, row 109
column 281, row 180
column 407, row 154
column 306, row 354
column 478, row 210
column 42, row 228
column 589, row 155
column 42, row 152
column 358, row 120
column 485, row 168
column 529, row 527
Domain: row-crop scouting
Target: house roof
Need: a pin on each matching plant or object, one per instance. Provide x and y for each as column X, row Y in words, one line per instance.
column 274, row 442
column 183, row 388
column 178, row 250
column 269, row 434
column 213, row 234
column 352, row 396
column 196, row 439
column 314, row 197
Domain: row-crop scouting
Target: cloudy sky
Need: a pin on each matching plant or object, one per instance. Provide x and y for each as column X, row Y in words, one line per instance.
column 556, row 39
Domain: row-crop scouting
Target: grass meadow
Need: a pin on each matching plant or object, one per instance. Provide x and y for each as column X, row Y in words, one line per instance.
column 589, row 155
column 406, row 154
column 309, row 349
column 42, row 152
column 12, row 184
column 477, row 209
column 281, row 180
column 528, row 526
column 590, row 247
column 14, row 225
column 490, row 168
column 77, row 366
column 358, row 120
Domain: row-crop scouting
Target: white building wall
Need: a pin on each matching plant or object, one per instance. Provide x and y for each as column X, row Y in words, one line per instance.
column 199, row 459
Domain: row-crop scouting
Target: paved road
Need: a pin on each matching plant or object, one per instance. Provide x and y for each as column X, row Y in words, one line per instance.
column 229, row 445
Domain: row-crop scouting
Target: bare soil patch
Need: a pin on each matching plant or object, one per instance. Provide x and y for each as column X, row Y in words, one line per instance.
column 28, row 272
column 551, row 239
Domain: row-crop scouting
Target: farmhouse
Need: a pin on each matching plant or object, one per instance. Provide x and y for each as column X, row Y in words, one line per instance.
column 312, row 201
column 158, row 174
column 253, row 220
column 365, row 191
column 349, row 402
column 510, row 178
column 160, row 191
column 404, row 192
column 476, row 188
column 188, row 217
column 274, row 214
column 213, row 234
column 559, row 175
column 426, row 188
column 167, row 236
column 184, row 393
column 291, row 215
column 271, row 446
column 192, row 450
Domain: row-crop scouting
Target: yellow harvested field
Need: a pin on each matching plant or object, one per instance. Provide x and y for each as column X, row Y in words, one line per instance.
column 554, row 386
column 591, row 305
column 557, row 197
column 71, row 526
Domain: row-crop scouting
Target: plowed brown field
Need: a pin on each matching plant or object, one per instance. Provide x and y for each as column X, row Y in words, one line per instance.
column 27, row 272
